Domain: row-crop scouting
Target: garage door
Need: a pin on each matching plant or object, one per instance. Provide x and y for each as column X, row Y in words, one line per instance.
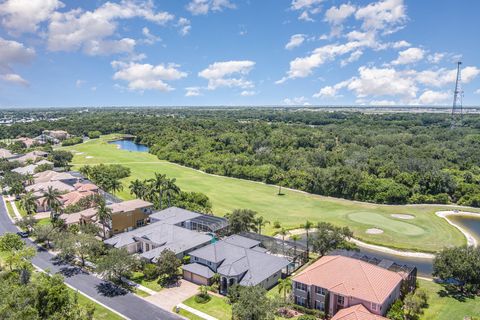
column 199, row 280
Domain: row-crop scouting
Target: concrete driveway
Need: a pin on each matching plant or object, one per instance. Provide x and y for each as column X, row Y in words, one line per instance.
column 168, row 298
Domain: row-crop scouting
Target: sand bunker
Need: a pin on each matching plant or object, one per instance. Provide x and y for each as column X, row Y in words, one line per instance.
column 403, row 216
column 78, row 153
column 88, row 157
column 374, row 231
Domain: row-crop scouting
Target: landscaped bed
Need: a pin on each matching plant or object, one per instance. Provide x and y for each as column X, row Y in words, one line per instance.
column 292, row 209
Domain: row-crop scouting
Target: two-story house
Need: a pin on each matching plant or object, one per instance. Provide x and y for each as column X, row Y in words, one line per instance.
column 336, row 282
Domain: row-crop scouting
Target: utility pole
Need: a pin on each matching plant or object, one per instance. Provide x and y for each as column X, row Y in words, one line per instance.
column 457, row 109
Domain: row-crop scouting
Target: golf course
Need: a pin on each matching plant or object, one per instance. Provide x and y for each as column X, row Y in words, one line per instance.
column 412, row 227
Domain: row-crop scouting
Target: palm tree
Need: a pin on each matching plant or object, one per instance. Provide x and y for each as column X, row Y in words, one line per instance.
column 285, row 286
column 283, row 232
column 137, row 188
column 29, row 179
column 307, row 227
column 295, row 238
column 157, row 185
column 28, row 203
column 261, row 222
column 52, row 199
column 116, row 185
column 104, row 215
column 86, row 171
column 170, row 188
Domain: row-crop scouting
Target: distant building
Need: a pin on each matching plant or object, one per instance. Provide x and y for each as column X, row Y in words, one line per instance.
column 336, row 282
column 30, row 169
column 28, row 142
column 126, row 215
column 57, row 134
column 82, row 190
column 238, row 260
column 6, row 154
column 31, row 156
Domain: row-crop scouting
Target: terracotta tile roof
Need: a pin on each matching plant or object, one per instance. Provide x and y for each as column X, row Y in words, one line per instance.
column 356, row 312
column 85, row 187
column 74, row 197
column 129, row 205
column 351, row 277
column 50, row 175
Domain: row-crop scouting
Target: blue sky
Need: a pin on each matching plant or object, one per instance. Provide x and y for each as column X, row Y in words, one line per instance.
column 232, row 52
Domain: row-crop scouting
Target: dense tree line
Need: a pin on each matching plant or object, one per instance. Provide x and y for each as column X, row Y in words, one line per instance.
column 381, row 158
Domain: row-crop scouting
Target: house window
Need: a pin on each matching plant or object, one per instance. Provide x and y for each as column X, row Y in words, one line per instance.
column 147, row 247
column 320, row 305
column 374, row 306
column 140, row 223
column 340, row 300
column 320, row 291
column 300, row 286
column 301, row 301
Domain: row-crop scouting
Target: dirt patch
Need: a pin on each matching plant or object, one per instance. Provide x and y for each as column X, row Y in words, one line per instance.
column 403, row 216
column 374, row 231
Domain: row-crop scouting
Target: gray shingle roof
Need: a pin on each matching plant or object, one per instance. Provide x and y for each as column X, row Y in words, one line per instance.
column 237, row 258
column 199, row 269
column 164, row 236
column 173, row 215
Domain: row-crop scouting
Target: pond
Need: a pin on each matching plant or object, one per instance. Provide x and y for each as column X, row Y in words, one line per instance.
column 470, row 224
column 424, row 265
column 130, row 145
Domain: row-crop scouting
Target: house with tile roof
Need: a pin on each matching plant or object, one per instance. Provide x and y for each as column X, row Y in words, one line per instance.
column 337, row 282
column 126, row 215
column 238, row 260
column 356, row 312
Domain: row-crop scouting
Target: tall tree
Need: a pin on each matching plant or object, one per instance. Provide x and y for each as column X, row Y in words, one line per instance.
column 171, row 189
column 168, row 265
column 52, row 199
column 285, row 286
column 253, row 304
column 242, row 220
column 116, row 185
column 104, row 215
column 138, row 189
column 295, row 238
column 330, row 237
column 28, row 203
column 307, row 227
column 157, row 186
column 261, row 222
column 117, row 263
column 283, row 232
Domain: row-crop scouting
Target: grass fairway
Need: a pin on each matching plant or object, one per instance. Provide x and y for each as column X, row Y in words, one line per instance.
column 447, row 308
column 426, row 232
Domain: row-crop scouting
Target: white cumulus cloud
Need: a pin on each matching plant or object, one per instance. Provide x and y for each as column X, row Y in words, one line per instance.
column 201, row 7
column 336, row 15
column 92, row 31
column 409, row 55
column 430, row 97
column 12, row 53
column 307, row 8
column 20, row 16
column 192, row 91
column 228, row 74
column 295, row 41
column 146, row 76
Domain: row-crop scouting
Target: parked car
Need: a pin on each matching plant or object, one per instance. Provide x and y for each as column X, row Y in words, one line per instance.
column 23, row 234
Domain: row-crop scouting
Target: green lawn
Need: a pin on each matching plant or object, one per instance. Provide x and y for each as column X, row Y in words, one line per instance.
column 22, row 212
column 101, row 313
column 10, row 210
column 216, row 307
column 447, row 308
column 421, row 233
column 138, row 277
column 188, row 315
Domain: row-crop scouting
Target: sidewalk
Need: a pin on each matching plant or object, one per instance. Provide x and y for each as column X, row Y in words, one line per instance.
column 196, row 312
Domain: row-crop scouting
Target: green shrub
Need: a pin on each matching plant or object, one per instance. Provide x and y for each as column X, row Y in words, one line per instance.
column 186, row 259
column 307, row 317
column 150, row 271
column 72, row 141
column 94, row 134
column 307, row 311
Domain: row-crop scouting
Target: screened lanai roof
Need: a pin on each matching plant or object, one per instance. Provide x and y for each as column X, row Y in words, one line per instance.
column 212, row 222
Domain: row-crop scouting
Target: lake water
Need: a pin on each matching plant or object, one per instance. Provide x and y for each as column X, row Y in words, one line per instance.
column 424, row 266
column 130, row 145
column 471, row 224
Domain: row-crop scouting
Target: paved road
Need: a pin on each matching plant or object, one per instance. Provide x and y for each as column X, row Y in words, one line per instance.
column 127, row 304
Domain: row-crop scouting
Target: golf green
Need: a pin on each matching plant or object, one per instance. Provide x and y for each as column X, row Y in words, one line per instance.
column 425, row 232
